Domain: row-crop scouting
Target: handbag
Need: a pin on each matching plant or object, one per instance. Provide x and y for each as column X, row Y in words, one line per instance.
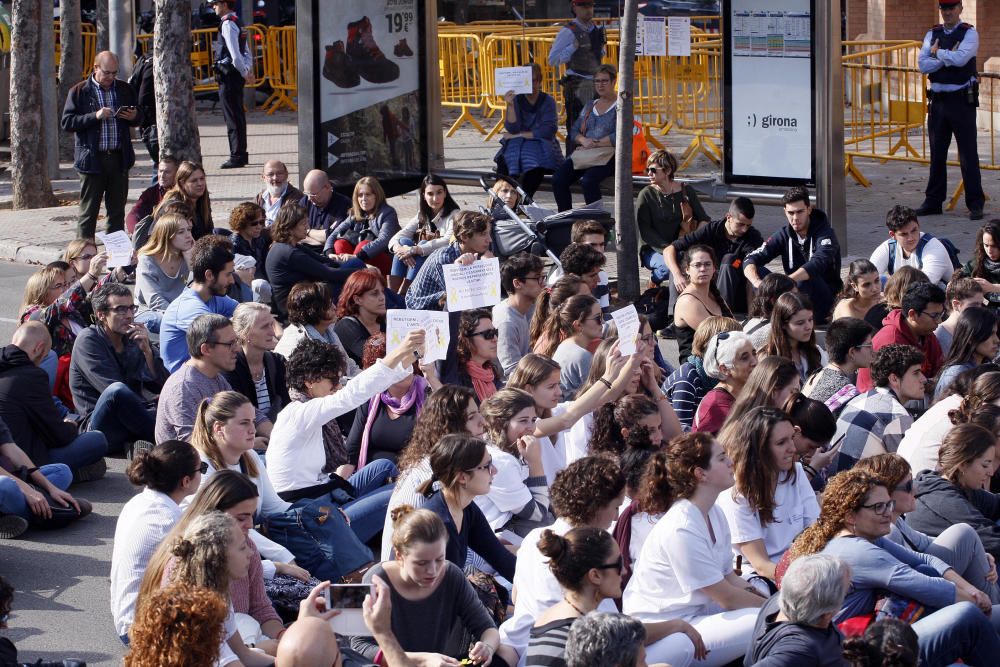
column 584, row 158
column 61, row 516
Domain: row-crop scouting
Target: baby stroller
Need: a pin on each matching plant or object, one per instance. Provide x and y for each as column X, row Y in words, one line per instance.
column 548, row 236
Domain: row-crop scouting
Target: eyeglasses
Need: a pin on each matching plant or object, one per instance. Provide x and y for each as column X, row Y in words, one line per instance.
column 599, row 318
column 486, row 466
column 648, row 339
column 230, row 344
column 906, row 488
column 108, row 72
column 882, row 508
column 934, row 316
column 488, row 334
column 616, row 565
column 203, row 468
column 124, row 310
column 83, row 258
column 652, row 170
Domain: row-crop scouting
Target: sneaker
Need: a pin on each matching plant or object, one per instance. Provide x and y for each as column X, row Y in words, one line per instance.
column 12, row 526
column 338, row 68
column 92, row 472
column 367, row 58
column 136, row 447
column 402, row 49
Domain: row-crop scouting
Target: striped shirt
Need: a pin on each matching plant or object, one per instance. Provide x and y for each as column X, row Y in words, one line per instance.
column 547, row 645
column 109, row 125
column 263, row 397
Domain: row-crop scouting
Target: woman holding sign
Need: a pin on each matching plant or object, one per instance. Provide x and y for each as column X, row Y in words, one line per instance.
column 528, row 149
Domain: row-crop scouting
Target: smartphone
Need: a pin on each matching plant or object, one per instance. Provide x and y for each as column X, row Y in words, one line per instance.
column 119, row 110
column 348, row 598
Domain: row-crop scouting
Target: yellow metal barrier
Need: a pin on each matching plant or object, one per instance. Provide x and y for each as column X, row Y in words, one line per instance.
column 461, row 83
column 88, row 35
column 281, row 68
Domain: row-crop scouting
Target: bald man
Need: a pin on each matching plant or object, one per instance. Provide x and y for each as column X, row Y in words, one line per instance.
column 36, row 423
column 309, row 642
column 277, row 190
column 100, row 110
column 326, row 207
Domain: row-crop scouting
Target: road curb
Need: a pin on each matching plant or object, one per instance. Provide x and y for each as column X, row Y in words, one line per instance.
column 14, row 251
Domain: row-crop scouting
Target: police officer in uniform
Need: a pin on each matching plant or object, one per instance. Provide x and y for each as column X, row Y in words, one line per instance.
column 948, row 57
column 580, row 46
column 233, row 70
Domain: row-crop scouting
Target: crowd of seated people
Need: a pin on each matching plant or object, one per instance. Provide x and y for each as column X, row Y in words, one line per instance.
column 537, row 496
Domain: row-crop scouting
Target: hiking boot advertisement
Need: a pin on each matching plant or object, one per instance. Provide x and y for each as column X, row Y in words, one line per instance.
column 370, row 105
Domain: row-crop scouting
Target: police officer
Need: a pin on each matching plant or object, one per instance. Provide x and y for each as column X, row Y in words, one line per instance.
column 948, row 57
column 580, row 46
column 233, row 70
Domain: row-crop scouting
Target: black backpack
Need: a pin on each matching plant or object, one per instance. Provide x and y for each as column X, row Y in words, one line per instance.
column 139, row 71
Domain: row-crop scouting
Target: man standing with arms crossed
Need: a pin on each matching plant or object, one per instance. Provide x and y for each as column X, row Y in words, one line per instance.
column 234, row 69
column 948, row 58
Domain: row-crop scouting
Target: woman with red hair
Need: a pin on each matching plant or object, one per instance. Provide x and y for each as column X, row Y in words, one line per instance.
column 360, row 312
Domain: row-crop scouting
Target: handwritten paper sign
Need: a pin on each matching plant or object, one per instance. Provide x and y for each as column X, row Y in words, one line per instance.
column 434, row 323
column 627, row 321
column 679, row 28
column 517, row 79
column 118, row 246
column 474, row 286
column 654, row 36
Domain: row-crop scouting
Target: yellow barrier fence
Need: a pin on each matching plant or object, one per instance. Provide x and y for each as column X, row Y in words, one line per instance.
column 203, row 55
column 281, row 68
column 461, row 82
column 88, row 35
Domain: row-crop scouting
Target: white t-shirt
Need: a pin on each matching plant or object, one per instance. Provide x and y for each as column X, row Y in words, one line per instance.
column 677, row 561
column 923, row 439
column 795, row 509
column 226, row 655
column 578, row 438
column 642, row 526
column 508, row 493
column 934, row 260
column 554, row 456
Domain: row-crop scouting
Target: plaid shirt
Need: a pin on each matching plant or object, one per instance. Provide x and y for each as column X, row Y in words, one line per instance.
column 109, row 125
column 428, row 287
column 874, row 422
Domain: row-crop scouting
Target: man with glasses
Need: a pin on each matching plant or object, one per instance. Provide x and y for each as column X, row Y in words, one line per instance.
column 326, row 207
column 100, row 110
column 579, row 45
column 213, row 345
column 521, row 278
column 113, row 363
column 874, row 422
column 731, row 239
column 913, row 324
column 277, row 189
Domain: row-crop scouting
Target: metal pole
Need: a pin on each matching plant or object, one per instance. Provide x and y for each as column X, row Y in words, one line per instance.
column 121, row 35
column 47, row 73
column 246, row 17
column 627, row 243
column 831, row 193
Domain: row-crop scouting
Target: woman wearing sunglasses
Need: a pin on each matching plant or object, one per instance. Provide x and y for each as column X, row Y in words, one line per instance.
column 665, row 211
column 475, row 364
column 570, row 331
column 855, row 520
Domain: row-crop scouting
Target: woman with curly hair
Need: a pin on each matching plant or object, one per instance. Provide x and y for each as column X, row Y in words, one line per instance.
column 685, row 569
column 631, row 421
column 587, row 493
column 311, row 314
column 475, row 364
column 793, row 336
column 889, row 642
column 180, row 627
column 360, row 312
column 548, row 302
column 985, row 263
column 651, row 497
column 855, row 518
column 772, row 500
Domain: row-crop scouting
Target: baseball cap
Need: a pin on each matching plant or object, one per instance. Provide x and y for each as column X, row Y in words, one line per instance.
column 944, row 4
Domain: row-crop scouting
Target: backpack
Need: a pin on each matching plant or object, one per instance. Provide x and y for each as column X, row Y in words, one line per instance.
column 144, row 62
column 925, row 238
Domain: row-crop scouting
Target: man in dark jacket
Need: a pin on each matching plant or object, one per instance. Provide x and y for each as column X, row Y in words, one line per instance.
column 794, row 627
column 326, row 207
column 809, row 251
column 113, row 361
column 27, row 407
column 100, row 110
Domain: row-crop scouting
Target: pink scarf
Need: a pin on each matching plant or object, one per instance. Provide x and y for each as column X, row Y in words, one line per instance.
column 414, row 397
column 482, row 380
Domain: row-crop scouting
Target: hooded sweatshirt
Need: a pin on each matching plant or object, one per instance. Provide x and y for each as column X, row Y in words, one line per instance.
column 896, row 330
column 941, row 504
column 784, row 644
column 819, row 254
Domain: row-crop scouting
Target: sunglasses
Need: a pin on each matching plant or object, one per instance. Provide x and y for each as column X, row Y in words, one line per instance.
column 616, row 565
column 203, row 468
column 906, row 488
column 488, row 334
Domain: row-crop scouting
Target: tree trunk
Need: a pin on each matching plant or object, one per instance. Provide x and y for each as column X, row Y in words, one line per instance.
column 29, row 160
column 103, row 26
column 628, row 244
column 70, row 66
column 175, row 118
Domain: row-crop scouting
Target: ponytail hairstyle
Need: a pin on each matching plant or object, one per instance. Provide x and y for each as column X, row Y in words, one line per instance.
column 855, row 272
column 498, row 410
column 560, row 323
column 888, row 642
column 813, row 419
column 844, row 495
column 201, row 558
column 755, row 470
column 780, row 343
column 443, row 413
column 549, row 300
column 713, row 289
column 961, row 446
column 986, row 389
column 452, row 457
column 411, row 526
column 164, row 467
column 685, row 453
column 584, row 488
column 572, row 556
column 771, row 287
column 219, row 409
column 632, row 463
column 655, row 493
column 611, row 419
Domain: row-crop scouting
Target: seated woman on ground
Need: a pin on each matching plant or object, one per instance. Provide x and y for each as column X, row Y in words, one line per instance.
column 247, row 222
column 180, row 626
column 633, row 421
column 649, row 488
column 191, row 187
column 260, row 372
column 699, row 300
column 862, row 290
column 758, row 326
column 793, row 335
column 960, row 294
column 430, row 229
column 162, row 271
column 311, row 314
column 769, row 384
column 361, row 312
column 984, row 267
column 569, row 333
column 475, row 365
column 975, row 342
column 549, row 302
column 363, row 237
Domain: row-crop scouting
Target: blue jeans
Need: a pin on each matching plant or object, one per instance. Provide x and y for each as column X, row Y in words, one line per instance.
column 12, row 499
column 655, row 262
column 50, row 364
column 400, row 269
column 367, row 511
column 957, row 631
column 590, row 180
column 87, row 448
column 122, row 416
column 150, row 319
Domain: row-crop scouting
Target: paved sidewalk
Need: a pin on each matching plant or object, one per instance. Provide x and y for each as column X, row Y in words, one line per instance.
column 38, row 236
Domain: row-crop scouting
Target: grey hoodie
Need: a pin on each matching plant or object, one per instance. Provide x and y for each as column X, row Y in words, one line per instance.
column 940, row 504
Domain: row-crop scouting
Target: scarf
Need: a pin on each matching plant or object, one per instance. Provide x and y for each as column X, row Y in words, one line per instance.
column 333, row 440
column 398, row 407
column 990, row 265
column 707, row 381
column 482, row 380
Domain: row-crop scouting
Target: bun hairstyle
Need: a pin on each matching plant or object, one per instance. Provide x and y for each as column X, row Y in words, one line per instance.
column 164, row 467
column 450, row 457
column 201, row 553
column 411, row 526
column 573, row 555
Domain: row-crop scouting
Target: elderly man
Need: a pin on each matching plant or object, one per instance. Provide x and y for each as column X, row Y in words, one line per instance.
column 277, row 190
column 326, row 207
column 795, row 626
column 100, row 110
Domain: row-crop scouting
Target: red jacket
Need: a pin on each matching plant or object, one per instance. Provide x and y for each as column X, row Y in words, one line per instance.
column 896, row 330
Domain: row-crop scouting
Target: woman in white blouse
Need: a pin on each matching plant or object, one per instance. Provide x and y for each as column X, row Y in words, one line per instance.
column 685, row 570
